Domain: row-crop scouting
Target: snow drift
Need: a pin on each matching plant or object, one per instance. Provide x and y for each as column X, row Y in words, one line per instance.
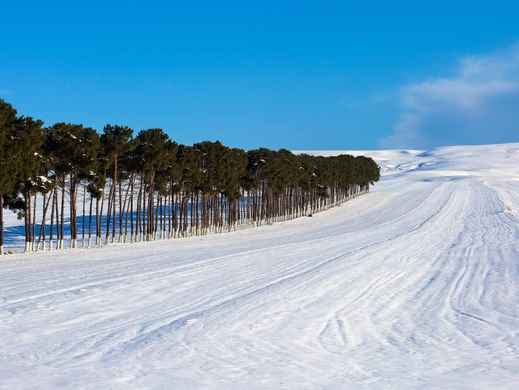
column 412, row 286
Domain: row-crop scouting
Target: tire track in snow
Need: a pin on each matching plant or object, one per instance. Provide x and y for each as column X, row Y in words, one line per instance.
column 419, row 292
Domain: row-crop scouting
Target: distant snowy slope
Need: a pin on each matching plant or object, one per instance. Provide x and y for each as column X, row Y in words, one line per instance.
column 412, row 286
column 390, row 161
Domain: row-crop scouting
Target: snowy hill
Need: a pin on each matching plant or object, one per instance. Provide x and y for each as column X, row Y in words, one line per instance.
column 412, row 286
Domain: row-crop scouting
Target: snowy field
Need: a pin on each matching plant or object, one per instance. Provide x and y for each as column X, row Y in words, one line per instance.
column 412, row 286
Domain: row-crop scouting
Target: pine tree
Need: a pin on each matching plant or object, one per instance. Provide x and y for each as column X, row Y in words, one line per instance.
column 74, row 150
column 116, row 142
column 8, row 163
column 150, row 150
column 31, row 177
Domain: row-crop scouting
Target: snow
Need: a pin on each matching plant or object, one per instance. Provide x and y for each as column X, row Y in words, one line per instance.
column 43, row 179
column 412, row 286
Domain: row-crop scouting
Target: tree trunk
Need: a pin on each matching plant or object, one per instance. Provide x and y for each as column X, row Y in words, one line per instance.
column 109, row 212
column 114, row 195
column 83, row 218
column 90, row 220
column 1, row 224
column 72, row 217
column 100, row 216
column 62, row 225
column 46, row 203
column 33, row 231
column 27, row 220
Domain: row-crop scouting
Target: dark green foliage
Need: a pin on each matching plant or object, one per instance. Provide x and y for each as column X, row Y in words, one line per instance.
column 8, row 162
column 150, row 151
column 8, row 149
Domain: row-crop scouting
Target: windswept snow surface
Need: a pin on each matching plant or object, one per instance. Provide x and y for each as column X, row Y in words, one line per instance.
column 412, row 286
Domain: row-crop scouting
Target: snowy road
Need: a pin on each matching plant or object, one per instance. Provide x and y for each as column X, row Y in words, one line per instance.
column 413, row 286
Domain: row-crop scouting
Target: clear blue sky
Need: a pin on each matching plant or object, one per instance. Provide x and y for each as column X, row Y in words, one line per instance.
column 300, row 75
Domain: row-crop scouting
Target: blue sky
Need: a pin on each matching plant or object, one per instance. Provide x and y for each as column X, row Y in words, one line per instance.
column 300, row 75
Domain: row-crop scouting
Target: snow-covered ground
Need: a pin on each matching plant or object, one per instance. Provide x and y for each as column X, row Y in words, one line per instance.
column 413, row 286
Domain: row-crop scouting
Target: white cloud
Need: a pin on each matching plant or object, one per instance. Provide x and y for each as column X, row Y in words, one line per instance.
column 479, row 104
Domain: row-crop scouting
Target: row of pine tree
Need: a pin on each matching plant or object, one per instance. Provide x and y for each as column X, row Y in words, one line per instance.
column 74, row 187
